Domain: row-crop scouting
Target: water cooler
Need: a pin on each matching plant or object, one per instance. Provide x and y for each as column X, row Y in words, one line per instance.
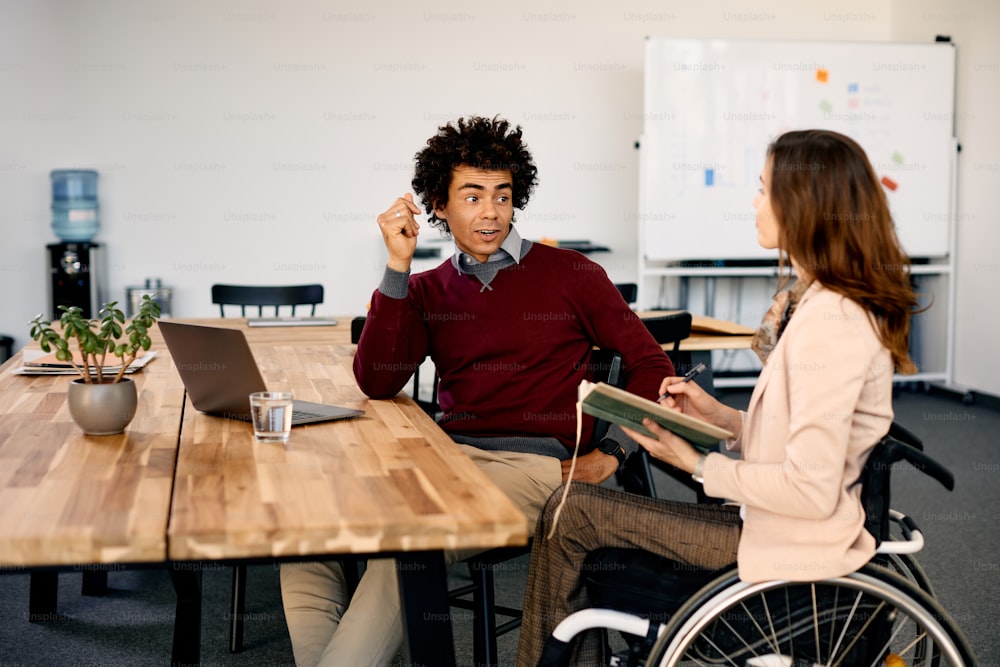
column 76, row 267
column 76, row 276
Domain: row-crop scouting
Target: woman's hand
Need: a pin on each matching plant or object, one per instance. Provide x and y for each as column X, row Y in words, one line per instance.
column 692, row 400
column 666, row 446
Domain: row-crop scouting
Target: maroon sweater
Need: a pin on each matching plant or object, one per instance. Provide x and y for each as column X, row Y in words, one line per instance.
column 510, row 358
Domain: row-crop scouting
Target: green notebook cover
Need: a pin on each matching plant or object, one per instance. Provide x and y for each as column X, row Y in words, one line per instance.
column 626, row 409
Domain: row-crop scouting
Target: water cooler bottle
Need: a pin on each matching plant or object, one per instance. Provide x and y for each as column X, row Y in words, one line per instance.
column 75, row 264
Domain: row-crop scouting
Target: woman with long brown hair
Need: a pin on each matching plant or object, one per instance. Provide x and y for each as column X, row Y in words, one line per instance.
column 837, row 331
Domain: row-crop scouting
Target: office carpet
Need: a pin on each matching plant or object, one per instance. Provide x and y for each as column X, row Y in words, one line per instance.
column 133, row 623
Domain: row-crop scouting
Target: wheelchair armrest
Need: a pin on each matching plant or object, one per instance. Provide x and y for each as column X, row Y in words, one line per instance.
column 907, row 437
column 913, row 538
column 875, row 479
column 897, row 450
column 588, row 619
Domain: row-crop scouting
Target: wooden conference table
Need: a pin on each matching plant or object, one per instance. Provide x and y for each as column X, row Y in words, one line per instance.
column 180, row 489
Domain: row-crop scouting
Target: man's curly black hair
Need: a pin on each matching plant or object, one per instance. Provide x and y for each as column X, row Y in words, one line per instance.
column 477, row 142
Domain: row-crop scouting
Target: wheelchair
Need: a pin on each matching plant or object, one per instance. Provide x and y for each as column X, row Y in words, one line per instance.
column 884, row 614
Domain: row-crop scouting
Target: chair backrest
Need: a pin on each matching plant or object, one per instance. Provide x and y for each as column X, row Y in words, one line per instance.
column 669, row 328
column 259, row 296
column 607, row 368
column 629, row 291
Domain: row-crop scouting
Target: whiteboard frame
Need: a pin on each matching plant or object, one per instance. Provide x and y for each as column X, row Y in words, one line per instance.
column 910, row 143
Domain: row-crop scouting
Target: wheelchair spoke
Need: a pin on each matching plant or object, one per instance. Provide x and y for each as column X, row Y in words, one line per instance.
column 815, row 613
column 843, row 631
column 912, row 645
column 773, row 638
column 864, row 628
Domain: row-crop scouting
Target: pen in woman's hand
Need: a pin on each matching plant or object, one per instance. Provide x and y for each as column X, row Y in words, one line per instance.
column 690, row 375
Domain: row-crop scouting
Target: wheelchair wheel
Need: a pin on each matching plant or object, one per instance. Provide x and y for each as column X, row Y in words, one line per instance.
column 907, row 566
column 873, row 617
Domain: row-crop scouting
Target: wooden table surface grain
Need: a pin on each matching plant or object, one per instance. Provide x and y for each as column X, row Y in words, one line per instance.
column 67, row 498
column 388, row 481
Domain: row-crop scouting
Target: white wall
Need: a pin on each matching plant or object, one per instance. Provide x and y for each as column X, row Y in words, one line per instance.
column 973, row 25
column 255, row 142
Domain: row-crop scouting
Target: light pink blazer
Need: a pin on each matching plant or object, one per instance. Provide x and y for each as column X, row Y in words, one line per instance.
column 823, row 399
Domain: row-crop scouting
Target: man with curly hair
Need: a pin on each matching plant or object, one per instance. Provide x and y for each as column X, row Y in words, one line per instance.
column 510, row 326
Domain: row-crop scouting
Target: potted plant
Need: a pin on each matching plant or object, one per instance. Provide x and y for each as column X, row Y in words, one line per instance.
column 100, row 403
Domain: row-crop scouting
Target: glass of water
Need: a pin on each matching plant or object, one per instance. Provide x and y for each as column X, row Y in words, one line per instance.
column 272, row 415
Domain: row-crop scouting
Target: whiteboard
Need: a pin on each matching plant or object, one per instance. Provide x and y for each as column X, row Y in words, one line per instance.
column 712, row 107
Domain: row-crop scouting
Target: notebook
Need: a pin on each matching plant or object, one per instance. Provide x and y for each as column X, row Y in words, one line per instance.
column 219, row 372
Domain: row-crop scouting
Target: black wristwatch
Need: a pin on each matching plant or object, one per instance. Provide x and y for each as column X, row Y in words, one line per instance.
column 614, row 449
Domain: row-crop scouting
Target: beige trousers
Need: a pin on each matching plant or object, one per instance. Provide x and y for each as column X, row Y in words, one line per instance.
column 326, row 630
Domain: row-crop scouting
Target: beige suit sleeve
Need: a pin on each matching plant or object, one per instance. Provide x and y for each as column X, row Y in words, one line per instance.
column 795, row 442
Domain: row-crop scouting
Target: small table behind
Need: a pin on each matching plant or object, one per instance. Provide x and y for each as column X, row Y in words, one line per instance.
column 707, row 334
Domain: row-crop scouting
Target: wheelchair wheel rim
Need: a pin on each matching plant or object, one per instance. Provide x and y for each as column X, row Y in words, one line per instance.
column 674, row 644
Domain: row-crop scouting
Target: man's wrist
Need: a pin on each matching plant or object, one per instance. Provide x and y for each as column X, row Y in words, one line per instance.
column 399, row 265
column 612, row 448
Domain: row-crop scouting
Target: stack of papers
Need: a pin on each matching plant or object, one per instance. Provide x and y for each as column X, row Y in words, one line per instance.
column 291, row 322
column 37, row 362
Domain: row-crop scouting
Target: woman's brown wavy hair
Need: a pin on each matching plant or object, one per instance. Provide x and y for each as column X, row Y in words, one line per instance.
column 834, row 221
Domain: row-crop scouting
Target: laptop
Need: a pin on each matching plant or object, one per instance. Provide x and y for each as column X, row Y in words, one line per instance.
column 219, row 373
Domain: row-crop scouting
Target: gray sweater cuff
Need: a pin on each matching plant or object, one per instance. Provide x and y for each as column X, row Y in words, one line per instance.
column 394, row 284
column 616, row 434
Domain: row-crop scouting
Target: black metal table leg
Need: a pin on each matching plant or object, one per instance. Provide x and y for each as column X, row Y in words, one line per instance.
column 43, row 596
column 423, row 588
column 238, row 608
column 95, row 582
column 187, row 620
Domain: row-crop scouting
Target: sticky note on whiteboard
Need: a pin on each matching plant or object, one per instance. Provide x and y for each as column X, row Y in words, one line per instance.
column 822, row 75
column 889, row 183
column 709, row 177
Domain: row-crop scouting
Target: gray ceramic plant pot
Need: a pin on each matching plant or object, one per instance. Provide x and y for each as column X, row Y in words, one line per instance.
column 102, row 409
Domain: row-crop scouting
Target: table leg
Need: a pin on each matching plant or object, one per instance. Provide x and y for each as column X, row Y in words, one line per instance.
column 43, row 596
column 95, row 582
column 707, row 378
column 187, row 616
column 423, row 588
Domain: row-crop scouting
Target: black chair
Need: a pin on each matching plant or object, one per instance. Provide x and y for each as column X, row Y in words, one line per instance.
column 6, row 348
column 271, row 296
column 669, row 328
column 629, row 292
column 636, row 476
